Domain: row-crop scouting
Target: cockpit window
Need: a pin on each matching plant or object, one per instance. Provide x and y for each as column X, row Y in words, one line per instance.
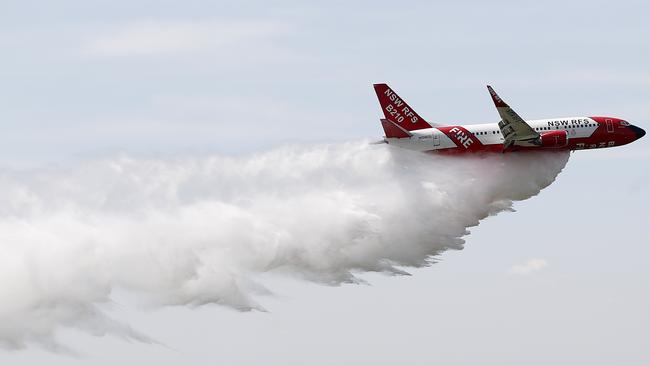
column 624, row 123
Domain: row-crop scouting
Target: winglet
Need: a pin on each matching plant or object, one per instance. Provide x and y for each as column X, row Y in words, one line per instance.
column 498, row 102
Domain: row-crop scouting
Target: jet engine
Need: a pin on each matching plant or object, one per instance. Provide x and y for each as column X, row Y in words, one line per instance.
column 553, row 139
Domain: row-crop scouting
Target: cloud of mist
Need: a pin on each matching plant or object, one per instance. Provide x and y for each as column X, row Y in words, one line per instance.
column 193, row 231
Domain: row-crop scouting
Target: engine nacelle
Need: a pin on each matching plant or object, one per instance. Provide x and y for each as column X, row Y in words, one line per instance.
column 554, row 139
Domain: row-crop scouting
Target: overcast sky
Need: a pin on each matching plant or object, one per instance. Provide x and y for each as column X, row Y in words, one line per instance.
column 565, row 279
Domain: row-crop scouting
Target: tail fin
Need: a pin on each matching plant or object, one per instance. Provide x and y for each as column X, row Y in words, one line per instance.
column 397, row 111
column 392, row 129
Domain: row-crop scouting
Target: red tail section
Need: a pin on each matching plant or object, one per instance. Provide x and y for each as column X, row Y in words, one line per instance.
column 392, row 129
column 396, row 110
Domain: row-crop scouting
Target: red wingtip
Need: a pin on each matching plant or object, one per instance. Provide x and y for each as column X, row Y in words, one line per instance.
column 498, row 102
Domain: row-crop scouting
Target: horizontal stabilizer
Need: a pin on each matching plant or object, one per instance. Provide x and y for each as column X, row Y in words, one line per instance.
column 393, row 130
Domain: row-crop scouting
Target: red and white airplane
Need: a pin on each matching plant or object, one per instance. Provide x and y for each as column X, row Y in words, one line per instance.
column 405, row 128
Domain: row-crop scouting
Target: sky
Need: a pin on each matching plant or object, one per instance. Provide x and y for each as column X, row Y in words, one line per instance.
column 564, row 279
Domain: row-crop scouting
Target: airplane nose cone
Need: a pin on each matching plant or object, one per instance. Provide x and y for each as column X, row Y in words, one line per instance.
column 638, row 131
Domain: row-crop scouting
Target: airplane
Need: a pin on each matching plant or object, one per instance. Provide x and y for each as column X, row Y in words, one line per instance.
column 405, row 128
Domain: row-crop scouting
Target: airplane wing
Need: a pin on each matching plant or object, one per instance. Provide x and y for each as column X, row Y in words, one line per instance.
column 513, row 127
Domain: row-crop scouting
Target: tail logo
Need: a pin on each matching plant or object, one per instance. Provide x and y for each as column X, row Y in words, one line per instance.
column 397, row 108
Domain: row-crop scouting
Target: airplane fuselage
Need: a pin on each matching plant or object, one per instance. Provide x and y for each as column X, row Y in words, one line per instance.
column 567, row 133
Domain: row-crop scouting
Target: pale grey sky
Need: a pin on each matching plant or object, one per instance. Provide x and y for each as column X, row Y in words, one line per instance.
column 569, row 284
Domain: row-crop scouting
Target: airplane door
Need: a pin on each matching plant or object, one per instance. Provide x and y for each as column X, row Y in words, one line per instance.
column 610, row 125
column 436, row 139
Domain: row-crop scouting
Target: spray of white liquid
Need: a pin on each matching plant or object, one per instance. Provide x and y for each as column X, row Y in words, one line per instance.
column 202, row 230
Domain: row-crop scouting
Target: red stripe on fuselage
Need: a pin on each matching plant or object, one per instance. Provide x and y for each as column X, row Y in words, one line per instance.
column 463, row 139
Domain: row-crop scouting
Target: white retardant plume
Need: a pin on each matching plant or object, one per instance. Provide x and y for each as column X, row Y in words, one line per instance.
column 198, row 231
